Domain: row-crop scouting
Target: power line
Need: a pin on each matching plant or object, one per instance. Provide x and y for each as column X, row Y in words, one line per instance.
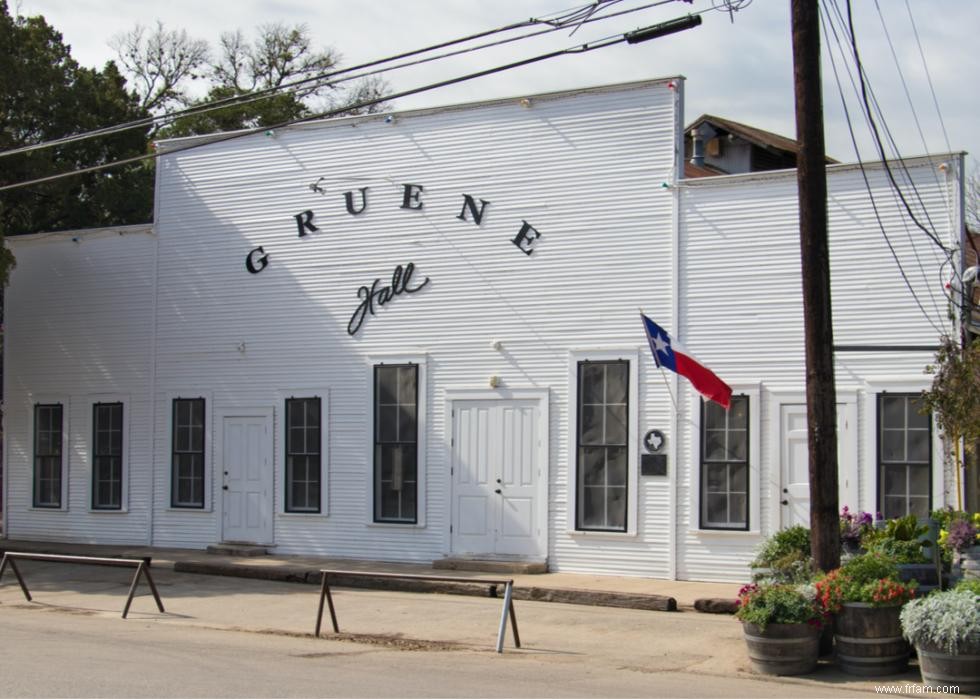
column 867, row 183
column 557, row 22
column 925, row 67
column 636, row 36
column 874, row 128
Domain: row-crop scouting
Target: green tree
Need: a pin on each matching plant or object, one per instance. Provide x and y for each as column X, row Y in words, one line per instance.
column 46, row 95
column 954, row 397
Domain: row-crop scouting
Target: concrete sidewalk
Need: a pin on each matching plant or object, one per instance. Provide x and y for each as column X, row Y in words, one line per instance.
column 569, row 588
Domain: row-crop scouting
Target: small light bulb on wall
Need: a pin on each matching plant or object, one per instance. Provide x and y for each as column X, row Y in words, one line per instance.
column 526, row 103
column 494, row 381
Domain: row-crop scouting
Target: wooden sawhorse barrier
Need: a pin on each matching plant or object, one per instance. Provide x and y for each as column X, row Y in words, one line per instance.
column 142, row 566
column 508, row 606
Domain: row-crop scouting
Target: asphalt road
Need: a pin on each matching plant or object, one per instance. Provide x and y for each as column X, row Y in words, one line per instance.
column 226, row 637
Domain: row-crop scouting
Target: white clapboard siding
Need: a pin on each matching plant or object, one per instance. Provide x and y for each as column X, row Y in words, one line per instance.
column 78, row 330
column 742, row 314
column 584, row 168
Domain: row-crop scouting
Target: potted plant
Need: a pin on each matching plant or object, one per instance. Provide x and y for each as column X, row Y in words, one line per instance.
column 961, row 538
column 905, row 540
column 781, row 623
column 945, row 630
column 784, row 557
column 853, row 528
column 867, row 595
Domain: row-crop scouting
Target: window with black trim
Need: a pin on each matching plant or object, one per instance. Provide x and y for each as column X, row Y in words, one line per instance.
column 725, row 465
column 187, row 487
column 48, row 455
column 904, row 456
column 396, row 443
column 303, row 454
column 601, row 446
column 107, row 456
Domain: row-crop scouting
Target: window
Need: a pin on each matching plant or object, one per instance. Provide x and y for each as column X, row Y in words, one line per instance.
column 187, row 487
column 107, row 462
column 396, row 443
column 725, row 464
column 47, row 455
column 601, row 446
column 904, row 456
column 303, row 455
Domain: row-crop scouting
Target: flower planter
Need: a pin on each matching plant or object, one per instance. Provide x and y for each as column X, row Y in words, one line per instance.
column 869, row 640
column 941, row 669
column 782, row 649
column 926, row 574
column 967, row 562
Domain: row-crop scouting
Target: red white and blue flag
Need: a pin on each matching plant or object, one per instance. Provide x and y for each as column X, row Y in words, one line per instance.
column 666, row 355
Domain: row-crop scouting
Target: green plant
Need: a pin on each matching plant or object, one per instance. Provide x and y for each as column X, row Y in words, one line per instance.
column 953, row 397
column 871, row 578
column 970, row 584
column 901, row 539
column 948, row 620
column 785, row 546
column 779, row 603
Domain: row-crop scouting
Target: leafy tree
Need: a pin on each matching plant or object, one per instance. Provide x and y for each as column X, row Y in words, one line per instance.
column 954, row 397
column 46, row 95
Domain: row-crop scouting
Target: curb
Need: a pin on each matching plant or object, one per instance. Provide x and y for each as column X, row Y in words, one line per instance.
column 595, row 598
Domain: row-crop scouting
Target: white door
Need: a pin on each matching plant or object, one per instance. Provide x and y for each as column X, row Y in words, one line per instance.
column 247, row 479
column 794, row 457
column 496, row 469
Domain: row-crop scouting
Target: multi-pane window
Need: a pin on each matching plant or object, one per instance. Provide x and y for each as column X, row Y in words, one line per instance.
column 107, row 456
column 396, row 443
column 725, row 465
column 47, row 455
column 303, row 455
column 187, row 487
column 602, row 453
column 904, row 456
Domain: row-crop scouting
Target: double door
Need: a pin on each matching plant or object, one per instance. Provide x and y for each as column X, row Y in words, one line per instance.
column 496, row 467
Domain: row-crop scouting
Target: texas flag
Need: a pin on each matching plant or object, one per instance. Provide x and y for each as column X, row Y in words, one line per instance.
column 703, row 379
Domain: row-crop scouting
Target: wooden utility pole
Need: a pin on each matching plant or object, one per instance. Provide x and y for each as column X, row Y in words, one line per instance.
column 821, row 394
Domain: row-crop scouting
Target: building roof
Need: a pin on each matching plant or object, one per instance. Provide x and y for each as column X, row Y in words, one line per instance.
column 760, row 137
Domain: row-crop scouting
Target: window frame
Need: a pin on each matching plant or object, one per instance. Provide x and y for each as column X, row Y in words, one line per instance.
column 754, row 393
column 580, row 485
column 399, row 442
column 420, row 360
column 63, row 404
column 205, row 460
column 122, row 402
column 322, row 454
column 703, row 464
column 879, row 464
column 631, row 357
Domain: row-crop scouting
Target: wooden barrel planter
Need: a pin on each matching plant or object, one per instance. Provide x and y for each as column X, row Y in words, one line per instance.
column 782, row 649
column 869, row 640
column 926, row 574
column 940, row 669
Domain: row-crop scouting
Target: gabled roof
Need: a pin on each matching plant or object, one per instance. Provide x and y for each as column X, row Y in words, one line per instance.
column 759, row 137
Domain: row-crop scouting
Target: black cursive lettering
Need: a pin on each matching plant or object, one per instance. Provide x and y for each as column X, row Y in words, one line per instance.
column 374, row 296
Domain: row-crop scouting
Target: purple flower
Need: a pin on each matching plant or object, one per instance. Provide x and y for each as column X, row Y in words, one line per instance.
column 962, row 535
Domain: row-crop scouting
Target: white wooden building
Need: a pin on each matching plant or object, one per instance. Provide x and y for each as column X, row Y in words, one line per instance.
column 417, row 336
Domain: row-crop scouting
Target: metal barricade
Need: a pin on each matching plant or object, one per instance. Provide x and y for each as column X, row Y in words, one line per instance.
column 142, row 566
column 508, row 605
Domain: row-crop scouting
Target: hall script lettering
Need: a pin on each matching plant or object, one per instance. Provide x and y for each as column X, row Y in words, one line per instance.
column 377, row 296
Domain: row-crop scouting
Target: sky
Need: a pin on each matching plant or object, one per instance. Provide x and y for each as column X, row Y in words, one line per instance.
column 737, row 65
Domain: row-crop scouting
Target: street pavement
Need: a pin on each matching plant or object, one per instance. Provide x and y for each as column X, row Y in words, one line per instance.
column 703, row 654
